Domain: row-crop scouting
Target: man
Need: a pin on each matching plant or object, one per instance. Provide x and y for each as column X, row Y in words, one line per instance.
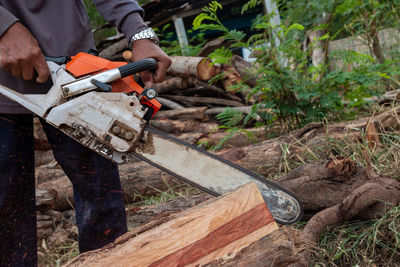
column 28, row 31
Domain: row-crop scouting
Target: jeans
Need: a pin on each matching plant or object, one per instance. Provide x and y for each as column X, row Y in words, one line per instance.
column 98, row 196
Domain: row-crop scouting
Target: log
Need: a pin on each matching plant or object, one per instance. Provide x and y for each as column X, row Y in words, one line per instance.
column 39, row 136
column 211, row 46
column 127, row 55
column 205, row 100
column 45, row 199
column 195, row 237
column 231, row 77
column 183, row 126
column 205, row 86
column 114, row 49
column 63, row 188
column 390, row 96
column 199, row 67
column 140, row 215
column 171, row 84
column 169, row 103
column 280, row 248
column 266, row 157
column 245, row 70
column 43, row 157
column 338, row 190
column 138, row 180
column 185, row 113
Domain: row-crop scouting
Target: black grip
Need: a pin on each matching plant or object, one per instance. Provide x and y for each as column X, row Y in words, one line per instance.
column 138, row 66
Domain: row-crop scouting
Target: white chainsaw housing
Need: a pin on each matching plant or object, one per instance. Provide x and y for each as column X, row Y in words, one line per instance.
column 114, row 119
column 108, row 123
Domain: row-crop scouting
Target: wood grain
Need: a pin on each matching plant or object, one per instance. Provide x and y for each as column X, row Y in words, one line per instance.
column 209, row 231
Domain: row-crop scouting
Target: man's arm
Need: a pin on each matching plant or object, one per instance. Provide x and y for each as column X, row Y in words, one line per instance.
column 126, row 15
column 20, row 53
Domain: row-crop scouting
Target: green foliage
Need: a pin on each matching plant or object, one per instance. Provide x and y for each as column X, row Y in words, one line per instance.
column 230, row 117
column 170, row 44
column 209, row 21
column 289, row 89
column 251, row 4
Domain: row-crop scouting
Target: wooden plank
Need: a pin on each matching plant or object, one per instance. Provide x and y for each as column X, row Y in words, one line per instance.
column 209, row 231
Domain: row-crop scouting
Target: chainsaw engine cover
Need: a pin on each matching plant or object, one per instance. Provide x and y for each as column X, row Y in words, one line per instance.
column 101, row 121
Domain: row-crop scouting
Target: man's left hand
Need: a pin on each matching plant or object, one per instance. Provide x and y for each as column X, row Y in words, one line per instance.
column 146, row 48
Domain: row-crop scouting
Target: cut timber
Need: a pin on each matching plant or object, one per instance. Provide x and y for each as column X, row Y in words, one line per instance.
column 204, row 100
column 195, row 237
column 127, row 55
column 170, row 84
column 192, row 66
column 231, row 77
column 114, row 49
column 169, row 103
column 185, row 113
column 245, row 69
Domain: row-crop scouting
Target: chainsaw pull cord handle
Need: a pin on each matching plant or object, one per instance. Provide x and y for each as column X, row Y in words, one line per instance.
column 137, row 66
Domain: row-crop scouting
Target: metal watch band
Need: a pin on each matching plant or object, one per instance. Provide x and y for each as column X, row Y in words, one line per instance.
column 145, row 34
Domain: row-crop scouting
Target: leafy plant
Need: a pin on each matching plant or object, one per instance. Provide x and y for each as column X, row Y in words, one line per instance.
column 286, row 89
column 170, row 44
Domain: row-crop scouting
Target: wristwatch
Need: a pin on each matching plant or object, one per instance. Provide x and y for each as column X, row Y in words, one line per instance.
column 145, row 34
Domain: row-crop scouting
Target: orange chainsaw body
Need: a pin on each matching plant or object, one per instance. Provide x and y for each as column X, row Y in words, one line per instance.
column 84, row 64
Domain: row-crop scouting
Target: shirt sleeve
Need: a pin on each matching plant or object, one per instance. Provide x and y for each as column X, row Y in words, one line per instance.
column 6, row 20
column 125, row 15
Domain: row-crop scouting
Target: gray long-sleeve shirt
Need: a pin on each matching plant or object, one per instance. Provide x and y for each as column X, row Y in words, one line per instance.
column 61, row 28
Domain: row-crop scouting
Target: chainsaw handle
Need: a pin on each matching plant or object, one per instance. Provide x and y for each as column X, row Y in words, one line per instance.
column 138, row 66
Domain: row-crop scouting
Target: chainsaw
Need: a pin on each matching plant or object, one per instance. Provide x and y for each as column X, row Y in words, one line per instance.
column 100, row 104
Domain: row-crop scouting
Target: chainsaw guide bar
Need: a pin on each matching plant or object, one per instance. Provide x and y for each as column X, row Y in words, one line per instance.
column 211, row 173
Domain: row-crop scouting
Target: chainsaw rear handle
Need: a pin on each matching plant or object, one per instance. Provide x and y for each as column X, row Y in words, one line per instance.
column 138, row 66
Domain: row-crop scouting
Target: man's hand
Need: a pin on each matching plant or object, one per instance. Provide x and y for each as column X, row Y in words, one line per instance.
column 21, row 55
column 146, row 48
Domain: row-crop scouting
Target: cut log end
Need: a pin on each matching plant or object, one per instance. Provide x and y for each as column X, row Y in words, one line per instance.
column 205, row 69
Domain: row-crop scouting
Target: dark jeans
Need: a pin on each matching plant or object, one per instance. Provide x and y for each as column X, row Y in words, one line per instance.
column 100, row 211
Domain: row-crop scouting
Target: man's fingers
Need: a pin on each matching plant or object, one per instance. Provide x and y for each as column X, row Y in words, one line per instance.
column 147, row 78
column 42, row 69
column 161, row 71
column 27, row 72
column 16, row 71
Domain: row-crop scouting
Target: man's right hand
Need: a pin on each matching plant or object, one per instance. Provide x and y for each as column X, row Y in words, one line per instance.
column 21, row 55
